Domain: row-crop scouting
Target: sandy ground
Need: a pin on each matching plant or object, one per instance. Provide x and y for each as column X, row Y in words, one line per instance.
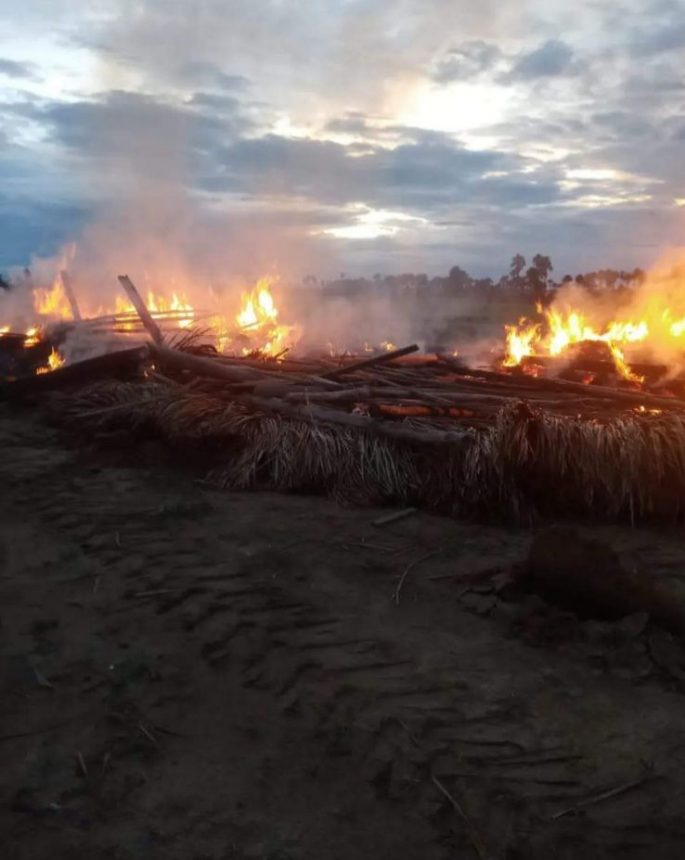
column 191, row 675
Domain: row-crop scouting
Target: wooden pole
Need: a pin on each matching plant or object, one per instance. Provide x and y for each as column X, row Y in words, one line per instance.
column 370, row 362
column 207, row 367
column 69, row 293
column 144, row 314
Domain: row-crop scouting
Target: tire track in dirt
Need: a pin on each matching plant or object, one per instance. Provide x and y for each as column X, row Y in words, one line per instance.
column 322, row 662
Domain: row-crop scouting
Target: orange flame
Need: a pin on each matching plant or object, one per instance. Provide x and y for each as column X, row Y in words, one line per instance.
column 53, row 302
column 32, row 336
column 520, row 342
column 258, row 320
column 564, row 330
column 55, row 360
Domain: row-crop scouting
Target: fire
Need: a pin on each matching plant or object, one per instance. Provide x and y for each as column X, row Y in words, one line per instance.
column 563, row 330
column 53, row 302
column 55, row 360
column 258, row 320
column 178, row 307
column 4, row 330
column 520, row 342
column 32, row 336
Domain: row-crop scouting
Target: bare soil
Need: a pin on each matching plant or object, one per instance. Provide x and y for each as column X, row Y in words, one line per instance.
column 191, row 674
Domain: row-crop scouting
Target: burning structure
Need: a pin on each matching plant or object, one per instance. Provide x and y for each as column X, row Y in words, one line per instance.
column 576, row 414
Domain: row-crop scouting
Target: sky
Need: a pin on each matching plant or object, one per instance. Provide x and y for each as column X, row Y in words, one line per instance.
column 356, row 136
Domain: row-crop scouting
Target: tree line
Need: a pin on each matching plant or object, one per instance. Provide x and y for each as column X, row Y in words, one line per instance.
column 535, row 280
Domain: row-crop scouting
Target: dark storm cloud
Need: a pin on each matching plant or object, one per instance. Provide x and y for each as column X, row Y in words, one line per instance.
column 552, row 59
column 14, row 69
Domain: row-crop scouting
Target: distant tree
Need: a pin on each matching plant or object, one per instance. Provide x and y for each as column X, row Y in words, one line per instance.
column 483, row 284
column 567, row 279
column 543, row 265
column 536, row 283
column 458, row 279
column 4, row 283
column 518, row 264
column 638, row 276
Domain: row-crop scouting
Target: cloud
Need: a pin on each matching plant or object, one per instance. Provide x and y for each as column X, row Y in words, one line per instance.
column 667, row 37
column 288, row 114
column 17, row 70
column 467, row 61
column 552, row 59
column 211, row 75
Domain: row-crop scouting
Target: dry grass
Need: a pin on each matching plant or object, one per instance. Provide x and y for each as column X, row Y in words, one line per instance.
column 631, row 467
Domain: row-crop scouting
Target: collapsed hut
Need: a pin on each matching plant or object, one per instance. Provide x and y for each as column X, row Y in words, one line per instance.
column 398, row 427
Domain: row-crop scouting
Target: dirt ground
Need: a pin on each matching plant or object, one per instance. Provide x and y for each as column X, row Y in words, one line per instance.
column 191, row 674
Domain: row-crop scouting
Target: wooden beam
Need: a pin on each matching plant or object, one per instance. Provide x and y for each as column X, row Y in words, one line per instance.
column 141, row 308
column 370, row 362
column 69, row 293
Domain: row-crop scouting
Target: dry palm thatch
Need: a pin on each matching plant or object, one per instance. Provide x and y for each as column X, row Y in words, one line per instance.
column 630, row 466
